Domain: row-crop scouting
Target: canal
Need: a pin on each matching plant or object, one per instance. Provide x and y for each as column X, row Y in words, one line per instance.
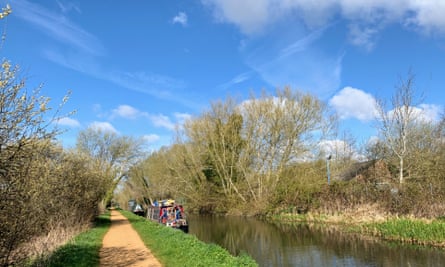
column 302, row 245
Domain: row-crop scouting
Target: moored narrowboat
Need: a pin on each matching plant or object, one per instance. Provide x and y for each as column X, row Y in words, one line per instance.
column 168, row 213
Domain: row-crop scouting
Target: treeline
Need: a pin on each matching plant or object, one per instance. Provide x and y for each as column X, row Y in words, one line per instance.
column 266, row 155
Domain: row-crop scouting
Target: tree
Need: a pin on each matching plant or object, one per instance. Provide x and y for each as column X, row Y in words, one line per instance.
column 396, row 125
column 242, row 150
column 112, row 154
column 278, row 132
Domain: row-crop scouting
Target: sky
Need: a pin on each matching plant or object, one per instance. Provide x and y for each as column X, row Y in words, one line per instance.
column 140, row 68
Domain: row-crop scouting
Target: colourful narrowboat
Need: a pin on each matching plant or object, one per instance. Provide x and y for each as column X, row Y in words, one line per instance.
column 168, row 213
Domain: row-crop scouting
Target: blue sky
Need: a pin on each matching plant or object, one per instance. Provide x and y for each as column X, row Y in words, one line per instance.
column 141, row 67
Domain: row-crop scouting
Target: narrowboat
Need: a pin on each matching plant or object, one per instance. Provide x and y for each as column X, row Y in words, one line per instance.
column 168, row 213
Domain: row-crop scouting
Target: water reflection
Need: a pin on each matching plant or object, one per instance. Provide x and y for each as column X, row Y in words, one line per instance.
column 303, row 245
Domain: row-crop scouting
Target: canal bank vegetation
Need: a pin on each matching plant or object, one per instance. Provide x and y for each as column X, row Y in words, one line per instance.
column 175, row 248
column 282, row 153
column 82, row 250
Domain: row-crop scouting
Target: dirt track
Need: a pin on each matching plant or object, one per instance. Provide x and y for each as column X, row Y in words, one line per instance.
column 122, row 246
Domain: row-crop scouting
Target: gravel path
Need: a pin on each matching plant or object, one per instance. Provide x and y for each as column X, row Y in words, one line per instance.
column 122, row 246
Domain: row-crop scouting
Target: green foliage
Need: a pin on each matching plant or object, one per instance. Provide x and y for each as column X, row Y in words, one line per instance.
column 175, row 248
column 81, row 251
column 409, row 230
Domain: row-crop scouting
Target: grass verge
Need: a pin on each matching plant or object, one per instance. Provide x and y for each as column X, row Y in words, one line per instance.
column 175, row 248
column 82, row 250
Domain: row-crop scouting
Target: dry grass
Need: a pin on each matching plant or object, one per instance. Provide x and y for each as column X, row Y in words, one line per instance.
column 43, row 245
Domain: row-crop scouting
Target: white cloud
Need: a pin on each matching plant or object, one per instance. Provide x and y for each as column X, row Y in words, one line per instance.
column 68, row 122
column 151, row 138
column 126, row 111
column 160, row 120
column 336, row 148
column 365, row 18
column 362, row 36
column 103, row 126
column 430, row 112
column 423, row 113
column 354, row 103
column 250, row 16
column 181, row 18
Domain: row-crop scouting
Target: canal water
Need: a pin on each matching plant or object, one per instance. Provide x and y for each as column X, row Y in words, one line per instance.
column 303, row 245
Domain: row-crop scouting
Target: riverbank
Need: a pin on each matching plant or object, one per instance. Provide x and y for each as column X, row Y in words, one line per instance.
column 369, row 224
column 175, row 248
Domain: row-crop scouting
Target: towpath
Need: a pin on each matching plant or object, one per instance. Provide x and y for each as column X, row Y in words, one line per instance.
column 122, row 246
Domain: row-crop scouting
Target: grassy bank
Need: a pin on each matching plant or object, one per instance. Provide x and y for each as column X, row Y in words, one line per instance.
column 81, row 251
column 175, row 248
column 405, row 230
column 408, row 230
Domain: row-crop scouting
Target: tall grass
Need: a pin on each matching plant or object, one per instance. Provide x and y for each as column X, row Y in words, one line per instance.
column 175, row 248
column 81, row 251
column 409, row 231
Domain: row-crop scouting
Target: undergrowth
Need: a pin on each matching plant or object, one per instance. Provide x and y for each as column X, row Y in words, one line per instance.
column 81, row 251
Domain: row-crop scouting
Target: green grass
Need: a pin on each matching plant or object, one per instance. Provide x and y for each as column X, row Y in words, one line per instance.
column 175, row 248
column 81, row 251
column 409, row 231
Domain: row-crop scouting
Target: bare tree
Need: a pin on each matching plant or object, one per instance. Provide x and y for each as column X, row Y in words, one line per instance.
column 112, row 154
column 397, row 124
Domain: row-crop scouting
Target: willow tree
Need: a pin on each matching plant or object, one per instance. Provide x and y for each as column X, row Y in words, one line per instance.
column 279, row 130
column 245, row 148
column 110, row 153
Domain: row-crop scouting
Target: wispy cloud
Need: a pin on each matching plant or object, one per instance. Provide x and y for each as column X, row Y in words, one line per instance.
column 58, row 27
column 67, row 7
column 181, row 18
column 159, row 86
column 126, row 111
column 161, row 120
column 151, row 138
column 103, row 126
column 302, row 44
column 299, row 63
column 68, row 122
column 84, row 50
column 240, row 78
column 158, row 120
